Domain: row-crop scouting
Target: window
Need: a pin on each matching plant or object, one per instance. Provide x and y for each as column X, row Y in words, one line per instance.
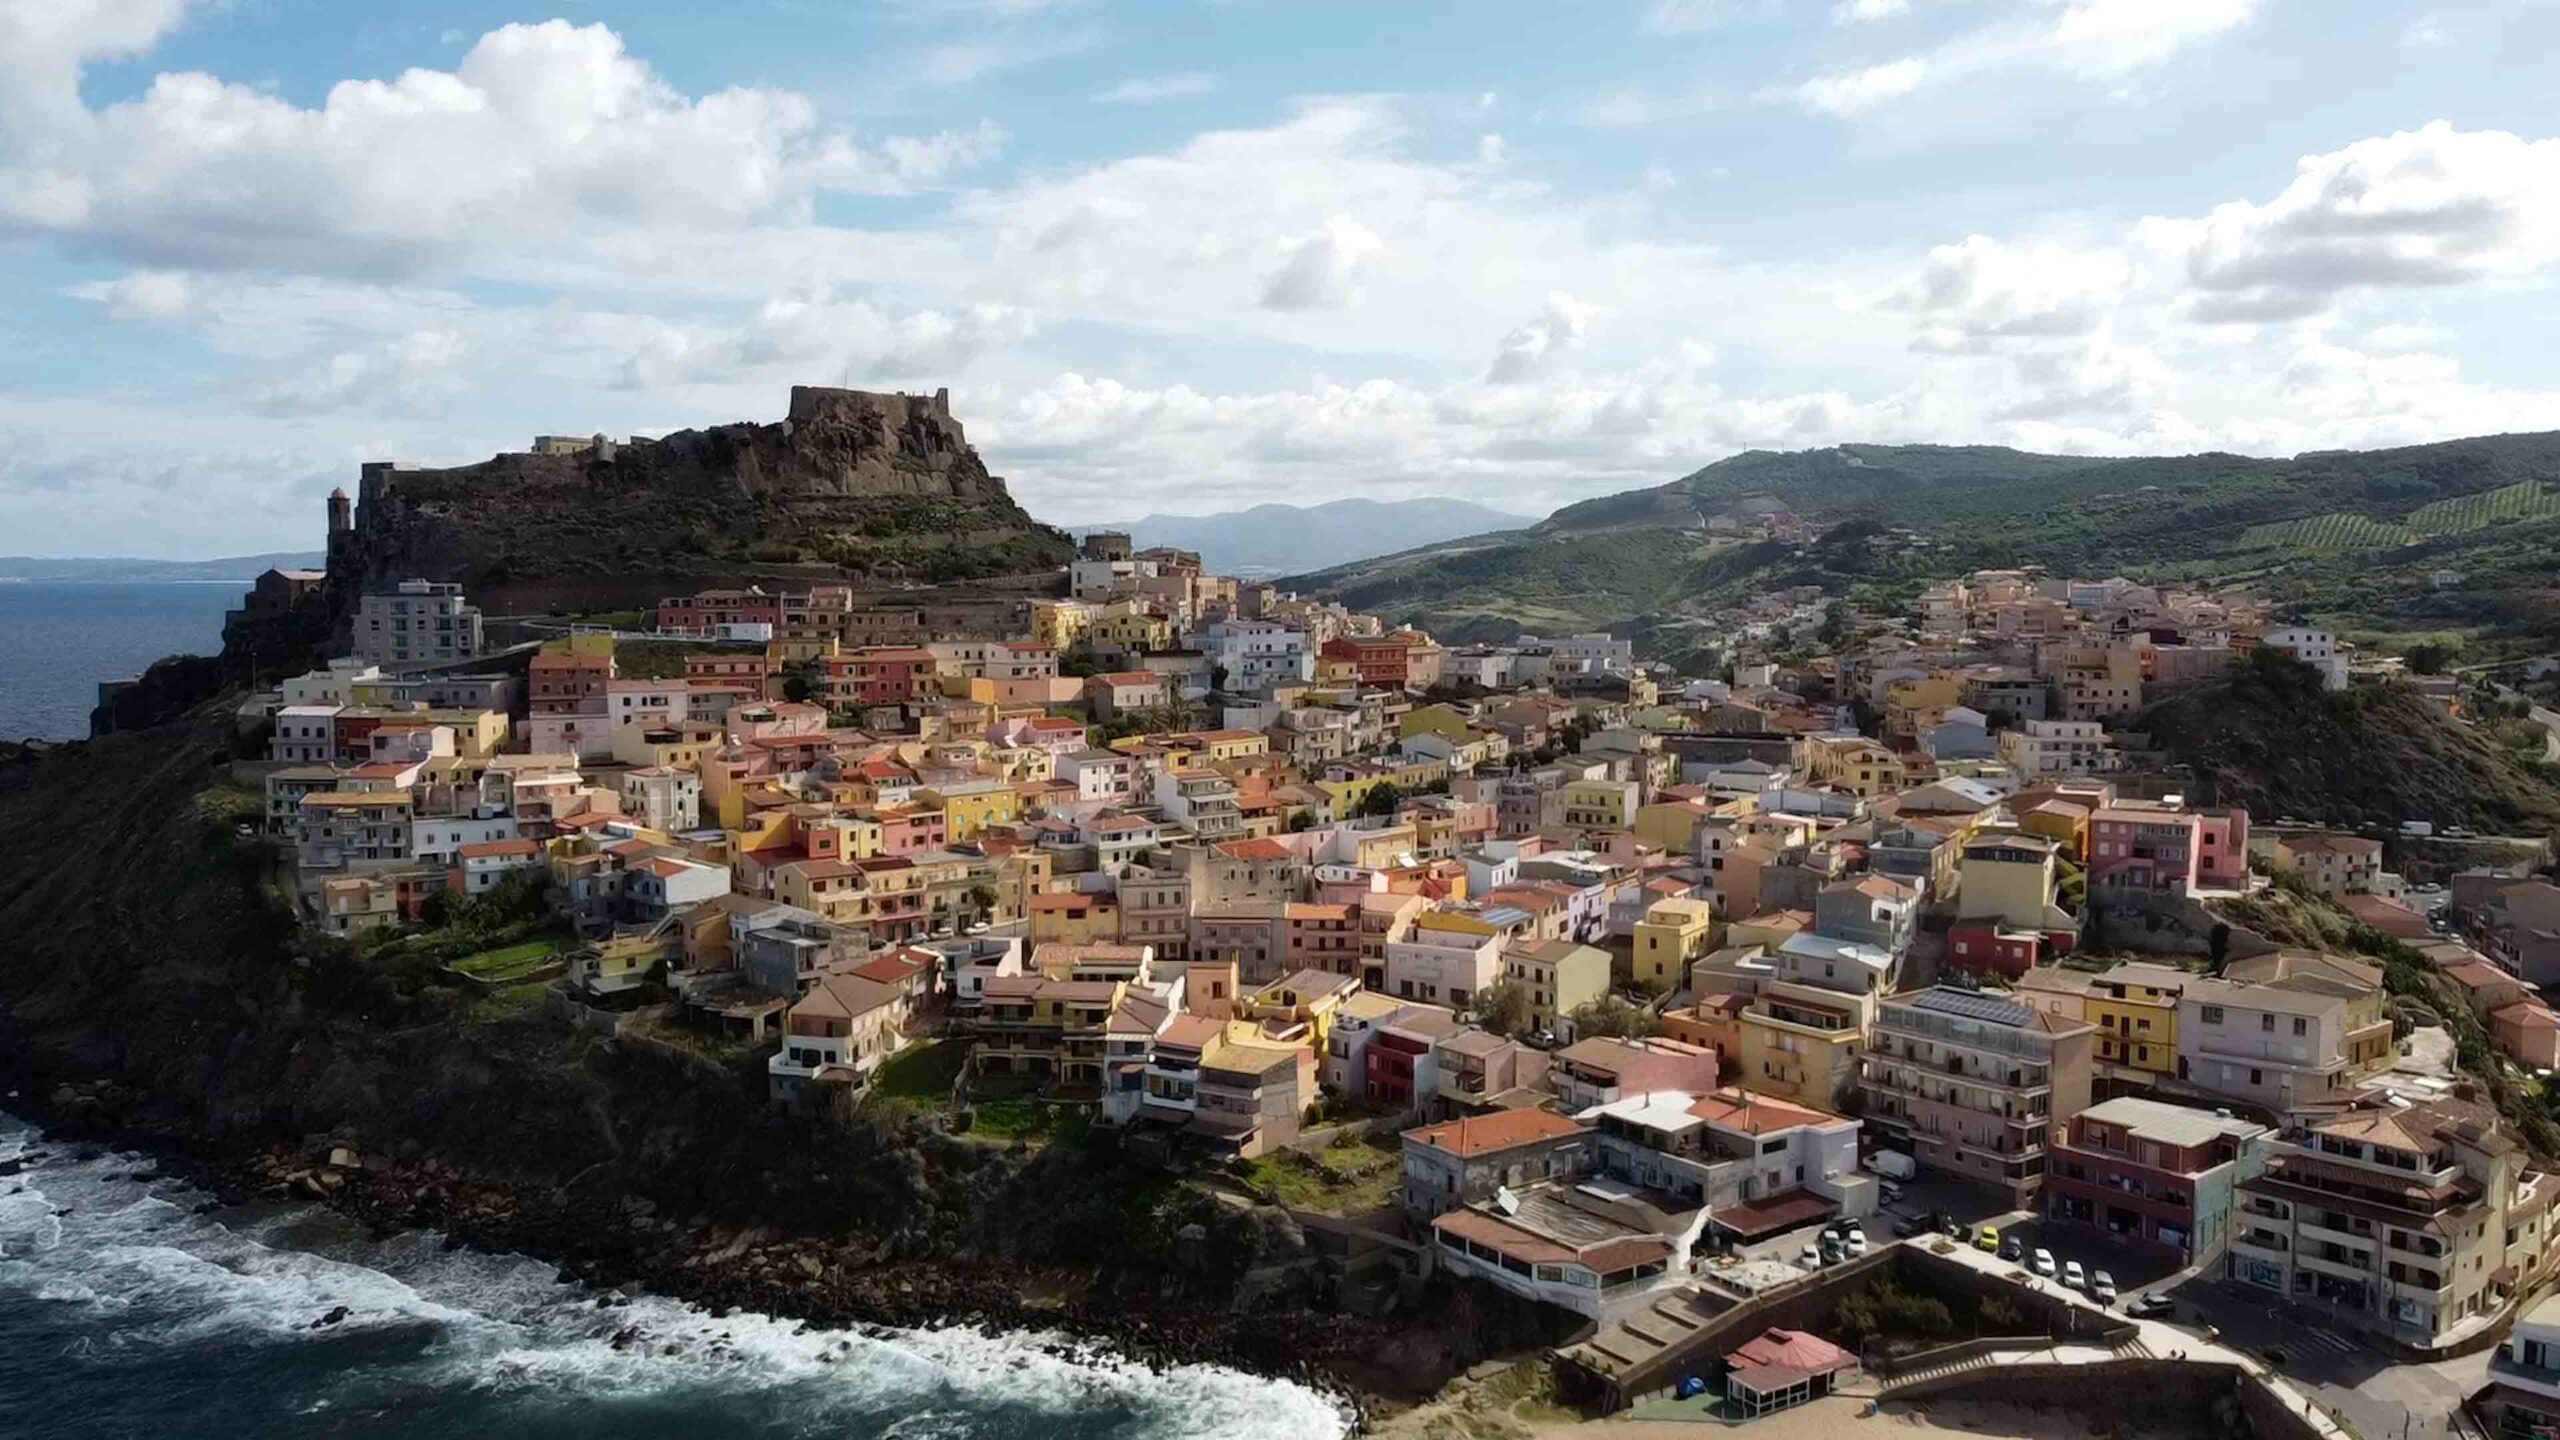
column 2267, row 1023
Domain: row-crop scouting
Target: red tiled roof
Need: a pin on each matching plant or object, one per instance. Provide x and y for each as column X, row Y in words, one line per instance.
column 1471, row 1136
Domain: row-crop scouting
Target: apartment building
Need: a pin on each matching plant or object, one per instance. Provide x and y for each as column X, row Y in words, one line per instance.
column 2300, row 1038
column 1447, row 958
column 1971, row 1084
column 2054, row 749
column 420, row 621
column 2160, row 1178
column 2135, row 1008
column 1559, row 977
column 2415, row 1220
column 2334, row 865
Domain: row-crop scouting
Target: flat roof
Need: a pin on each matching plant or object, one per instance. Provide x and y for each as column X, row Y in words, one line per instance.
column 2179, row 1125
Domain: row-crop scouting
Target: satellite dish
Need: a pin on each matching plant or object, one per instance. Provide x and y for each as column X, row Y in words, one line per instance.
column 1505, row 1201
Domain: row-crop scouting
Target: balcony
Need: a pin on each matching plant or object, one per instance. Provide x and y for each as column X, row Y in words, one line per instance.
column 2310, row 1233
column 2262, row 1243
column 2342, row 1269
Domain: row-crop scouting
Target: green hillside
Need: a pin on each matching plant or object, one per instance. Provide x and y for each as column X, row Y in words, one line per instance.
column 2270, row 738
column 2444, row 536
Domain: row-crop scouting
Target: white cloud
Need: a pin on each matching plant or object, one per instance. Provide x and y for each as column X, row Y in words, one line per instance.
column 1981, row 291
column 1857, row 12
column 2105, row 41
column 1154, row 89
column 541, row 133
column 1322, row 270
column 1530, row 349
column 2429, row 207
column 413, row 369
column 1853, row 92
column 2425, row 33
column 1489, row 149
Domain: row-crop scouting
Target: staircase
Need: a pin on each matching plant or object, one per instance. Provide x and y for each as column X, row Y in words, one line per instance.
column 1940, row 1370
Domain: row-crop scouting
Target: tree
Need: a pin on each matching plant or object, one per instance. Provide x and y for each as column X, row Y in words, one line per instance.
column 2428, row 657
column 1384, row 798
column 1300, row 820
column 804, row 680
column 2218, row 947
column 1614, row 1015
column 1503, row 1008
column 979, row 901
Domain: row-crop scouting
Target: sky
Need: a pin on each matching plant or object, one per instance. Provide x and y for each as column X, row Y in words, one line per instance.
column 1190, row 257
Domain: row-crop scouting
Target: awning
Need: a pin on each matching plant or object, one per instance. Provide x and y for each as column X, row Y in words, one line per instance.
column 1768, row 1217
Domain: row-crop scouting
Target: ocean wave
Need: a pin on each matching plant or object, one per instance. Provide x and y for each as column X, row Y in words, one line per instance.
column 406, row 1323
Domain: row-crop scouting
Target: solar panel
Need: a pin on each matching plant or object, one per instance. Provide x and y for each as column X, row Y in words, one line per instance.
column 1973, row 1006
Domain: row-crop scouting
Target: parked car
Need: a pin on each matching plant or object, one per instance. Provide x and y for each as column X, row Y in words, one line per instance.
column 2152, row 1306
column 1855, row 1242
column 2042, row 1264
column 2102, row 1288
column 1810, row 1258
column 2074, row 1276
column 1959, row 1231
column 1891, row 1192
column 2011, row 1250
column 1987, row 1238
column 1909, row 1226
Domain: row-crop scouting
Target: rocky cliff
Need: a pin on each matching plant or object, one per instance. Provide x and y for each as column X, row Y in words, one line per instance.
column 850, row 484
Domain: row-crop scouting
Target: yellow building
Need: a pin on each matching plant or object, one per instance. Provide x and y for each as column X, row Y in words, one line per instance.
column 1559, row 976
column 1920, row 703
column 1800, row 1042
column 1673, row 933
column 1671, row 825
column 2135, row 1008
column 1592, row 805
column 1852, row 762
column 1130, row 628
column 972, row 808
column 788, row 650
column 2007, row 879
column 1059, row 624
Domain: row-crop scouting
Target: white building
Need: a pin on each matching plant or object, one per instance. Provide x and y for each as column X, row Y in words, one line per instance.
column 423, row 621
column 2048, row 749
column 1257, row 654
column 647, row 702
column 1442, row 963
column 439, row 839
column 2318, row 649
column 662, row 797
column 305, row 735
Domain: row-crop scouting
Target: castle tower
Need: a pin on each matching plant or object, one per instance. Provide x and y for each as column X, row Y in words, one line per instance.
column 341, row 514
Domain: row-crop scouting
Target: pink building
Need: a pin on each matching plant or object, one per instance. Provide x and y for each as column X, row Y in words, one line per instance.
column 2168, row 850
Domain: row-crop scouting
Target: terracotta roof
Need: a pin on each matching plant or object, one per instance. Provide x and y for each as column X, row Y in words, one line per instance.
column 491, row 849
column 1259, row 848
column 1510, row 1240
column 1739, row 1109
column 1472, row 1136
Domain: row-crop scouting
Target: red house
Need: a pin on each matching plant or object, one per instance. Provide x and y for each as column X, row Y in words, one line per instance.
column 878, row 675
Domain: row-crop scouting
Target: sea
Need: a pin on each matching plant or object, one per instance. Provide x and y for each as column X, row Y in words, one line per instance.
column 128, row 1308
column 58, row 639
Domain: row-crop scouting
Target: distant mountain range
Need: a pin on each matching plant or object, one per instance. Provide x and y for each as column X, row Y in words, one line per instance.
column 1278, row 539
column 130, row 570
column 2454, row 536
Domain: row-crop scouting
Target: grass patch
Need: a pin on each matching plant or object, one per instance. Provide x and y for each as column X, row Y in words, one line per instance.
column 1033, row 1120
column 924, row 1073
column 508, row 960
column 1353, row 1178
